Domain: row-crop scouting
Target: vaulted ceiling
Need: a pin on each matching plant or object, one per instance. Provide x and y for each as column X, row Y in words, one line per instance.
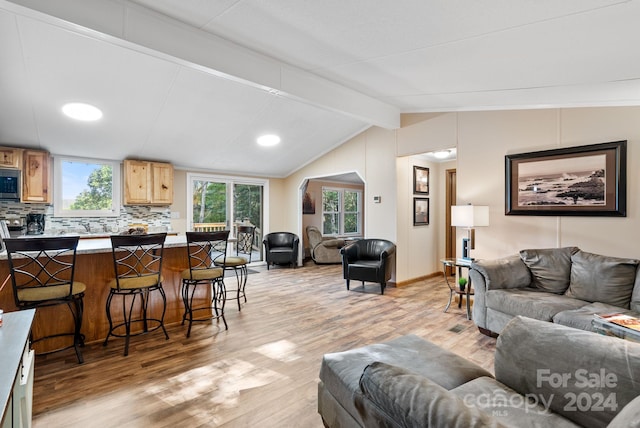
column 194, row 82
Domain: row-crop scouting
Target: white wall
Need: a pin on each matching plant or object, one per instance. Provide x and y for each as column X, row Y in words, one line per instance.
column 484, row 138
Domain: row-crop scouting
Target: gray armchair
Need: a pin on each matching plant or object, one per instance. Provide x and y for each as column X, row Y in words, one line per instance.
column 281, row 248
column 323, row 250
column 369, row 260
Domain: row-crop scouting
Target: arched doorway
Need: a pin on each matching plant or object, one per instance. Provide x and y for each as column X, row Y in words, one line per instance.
column 334, row 203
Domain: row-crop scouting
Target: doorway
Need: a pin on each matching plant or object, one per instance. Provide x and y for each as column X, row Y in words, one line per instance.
column 332, row 203
column 224, row 203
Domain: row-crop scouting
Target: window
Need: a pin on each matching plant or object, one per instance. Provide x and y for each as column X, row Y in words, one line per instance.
column 86, row 187
column 341, row 211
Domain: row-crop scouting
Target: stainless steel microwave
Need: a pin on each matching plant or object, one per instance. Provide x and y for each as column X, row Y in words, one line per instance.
column 10, row 185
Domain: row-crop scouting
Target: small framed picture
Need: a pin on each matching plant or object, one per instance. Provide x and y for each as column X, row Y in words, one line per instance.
column 420, row 180
column 420, row 211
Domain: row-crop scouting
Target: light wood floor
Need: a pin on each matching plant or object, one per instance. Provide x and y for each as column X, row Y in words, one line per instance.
column 263, row 371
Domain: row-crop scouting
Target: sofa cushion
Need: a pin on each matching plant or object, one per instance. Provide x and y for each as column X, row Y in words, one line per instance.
column 597, row 278
column 411, row 400
column 587, row 377
column 581, row 318
column 628, row 417
column 340, row 372
column 550, row 268
column 531, row 302
column 509, row 406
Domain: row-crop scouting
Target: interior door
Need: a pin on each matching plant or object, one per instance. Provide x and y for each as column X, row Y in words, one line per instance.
column 450, row 232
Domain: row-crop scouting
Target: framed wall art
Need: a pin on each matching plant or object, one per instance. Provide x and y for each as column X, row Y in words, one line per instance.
column 420, row 180
column 574, row 181
column 420, row 211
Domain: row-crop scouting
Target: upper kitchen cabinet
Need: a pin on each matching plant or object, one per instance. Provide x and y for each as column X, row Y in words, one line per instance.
column 10, row 157
column 147, row 183
column 36, row 180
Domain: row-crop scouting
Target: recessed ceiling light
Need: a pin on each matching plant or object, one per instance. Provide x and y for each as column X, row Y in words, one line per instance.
column 268, row 140
column 82, row 111
column 442, row 154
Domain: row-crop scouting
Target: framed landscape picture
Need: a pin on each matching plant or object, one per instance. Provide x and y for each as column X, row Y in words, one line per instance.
column 578, row 181
column 420, row 180
column 420, row 211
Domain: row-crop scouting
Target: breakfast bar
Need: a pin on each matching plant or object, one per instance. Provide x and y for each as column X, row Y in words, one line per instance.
column 94, row 267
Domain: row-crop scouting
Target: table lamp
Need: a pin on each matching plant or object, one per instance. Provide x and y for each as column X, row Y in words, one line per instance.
column 469, row 216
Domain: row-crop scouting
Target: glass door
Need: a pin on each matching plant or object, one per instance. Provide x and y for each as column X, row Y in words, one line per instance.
column 209, row 205
column 220, row 203
column 247, row 210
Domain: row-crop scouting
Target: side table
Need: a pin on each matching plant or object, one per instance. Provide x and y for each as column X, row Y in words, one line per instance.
column 454, row 288
column 610, row 329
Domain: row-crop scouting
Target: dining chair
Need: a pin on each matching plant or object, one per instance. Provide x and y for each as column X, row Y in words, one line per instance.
column 42, row 274
column 238, row 263
column 137, row 262
column 206, row 254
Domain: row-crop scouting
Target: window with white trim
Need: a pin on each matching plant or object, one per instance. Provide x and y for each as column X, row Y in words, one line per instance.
column 86, row 187
column 341, row 211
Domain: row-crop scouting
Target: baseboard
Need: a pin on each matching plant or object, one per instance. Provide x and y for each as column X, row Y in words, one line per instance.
column 412, row 280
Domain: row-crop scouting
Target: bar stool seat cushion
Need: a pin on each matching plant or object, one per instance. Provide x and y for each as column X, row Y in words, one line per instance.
column 202, row 274
column 135, row 282
column 231, row 261
column 52, row 292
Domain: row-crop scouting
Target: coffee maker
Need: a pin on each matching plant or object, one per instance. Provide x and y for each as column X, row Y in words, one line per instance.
column 35, row 224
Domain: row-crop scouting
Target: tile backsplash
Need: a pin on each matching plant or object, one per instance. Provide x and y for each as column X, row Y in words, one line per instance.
column 158, row 218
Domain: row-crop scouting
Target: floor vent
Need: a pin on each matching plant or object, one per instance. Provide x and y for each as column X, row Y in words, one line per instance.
column 458, row 328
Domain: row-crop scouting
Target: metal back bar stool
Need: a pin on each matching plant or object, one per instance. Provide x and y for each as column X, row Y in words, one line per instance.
column 42, row 271
column 205, row 252
column 137, row 261
column 238, row 263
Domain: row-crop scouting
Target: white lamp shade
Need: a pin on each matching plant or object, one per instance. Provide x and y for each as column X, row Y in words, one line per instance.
column 469, row 215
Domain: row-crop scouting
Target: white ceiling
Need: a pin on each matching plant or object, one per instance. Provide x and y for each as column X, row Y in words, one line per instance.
column 194, row 82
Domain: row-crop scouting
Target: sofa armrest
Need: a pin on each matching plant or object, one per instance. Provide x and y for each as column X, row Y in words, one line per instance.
column 508, row 272
column 411, row 400
column 560, row 364
column 332, row 243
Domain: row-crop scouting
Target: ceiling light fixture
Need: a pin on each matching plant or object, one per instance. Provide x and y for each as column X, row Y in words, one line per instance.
column 442, row 154
column 268, row 140
column 82, row 111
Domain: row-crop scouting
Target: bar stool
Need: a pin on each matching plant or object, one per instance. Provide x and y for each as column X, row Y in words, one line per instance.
column 137, row 262
column 42, row 271
column 244, row 245
column 204, row 251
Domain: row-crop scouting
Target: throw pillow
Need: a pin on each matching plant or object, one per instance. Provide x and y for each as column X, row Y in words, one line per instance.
column 411, row 400
column 597, row 278
column 550, row 267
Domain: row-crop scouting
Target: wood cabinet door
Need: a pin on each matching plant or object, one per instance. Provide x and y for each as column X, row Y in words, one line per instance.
column 35, row 176
column 10, row 157
column 162, row 183
column 137, row 182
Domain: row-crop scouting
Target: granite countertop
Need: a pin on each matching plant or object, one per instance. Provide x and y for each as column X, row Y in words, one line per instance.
column 102, row 244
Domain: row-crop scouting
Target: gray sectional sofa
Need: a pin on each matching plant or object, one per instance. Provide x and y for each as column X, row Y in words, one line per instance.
column 546, row 375
column 561, row 285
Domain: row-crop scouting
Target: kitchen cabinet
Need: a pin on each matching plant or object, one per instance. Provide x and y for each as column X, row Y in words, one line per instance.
column 148, row 183
column 10, row 157
column 36, row 179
